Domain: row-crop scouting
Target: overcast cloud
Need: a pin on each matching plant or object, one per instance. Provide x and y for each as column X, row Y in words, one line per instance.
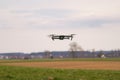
column 25, row 24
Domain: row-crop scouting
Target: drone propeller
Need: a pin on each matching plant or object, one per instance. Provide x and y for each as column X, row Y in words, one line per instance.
column 51, row 35
column 73, row 34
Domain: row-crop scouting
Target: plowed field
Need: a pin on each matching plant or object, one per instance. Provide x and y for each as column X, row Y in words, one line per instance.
column 102, row 65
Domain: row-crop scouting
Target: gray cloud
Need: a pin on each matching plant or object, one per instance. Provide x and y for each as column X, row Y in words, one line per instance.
column 58, row 13
column 53, row 18
column 98, row 22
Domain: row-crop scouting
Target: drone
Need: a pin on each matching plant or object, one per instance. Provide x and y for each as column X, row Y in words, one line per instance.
column 61, row 37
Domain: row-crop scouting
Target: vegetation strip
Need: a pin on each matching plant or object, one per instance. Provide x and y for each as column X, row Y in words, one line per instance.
column 65, row 59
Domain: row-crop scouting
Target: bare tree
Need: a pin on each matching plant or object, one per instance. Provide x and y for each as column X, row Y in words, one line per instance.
column 47, row 53
column 74, row 47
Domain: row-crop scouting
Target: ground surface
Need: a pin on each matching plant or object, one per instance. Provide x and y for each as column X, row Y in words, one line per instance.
column 102, row 65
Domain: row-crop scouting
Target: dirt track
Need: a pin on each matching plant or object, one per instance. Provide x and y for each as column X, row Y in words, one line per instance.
column 105, row 65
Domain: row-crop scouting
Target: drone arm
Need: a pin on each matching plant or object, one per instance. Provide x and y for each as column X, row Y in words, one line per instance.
column 71, row 37
column 53, row 38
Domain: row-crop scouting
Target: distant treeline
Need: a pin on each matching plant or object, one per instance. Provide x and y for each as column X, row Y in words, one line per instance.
column 62, row 54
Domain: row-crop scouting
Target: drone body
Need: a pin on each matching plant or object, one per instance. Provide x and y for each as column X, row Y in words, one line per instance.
column 61, row 37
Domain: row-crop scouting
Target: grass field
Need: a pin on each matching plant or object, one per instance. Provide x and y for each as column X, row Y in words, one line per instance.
column 32, row 70
column 53, row 60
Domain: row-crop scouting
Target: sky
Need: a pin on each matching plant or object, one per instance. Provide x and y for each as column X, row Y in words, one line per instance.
column 26, row 24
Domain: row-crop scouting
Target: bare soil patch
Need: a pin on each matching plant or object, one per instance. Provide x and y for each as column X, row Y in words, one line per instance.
column 102, row 65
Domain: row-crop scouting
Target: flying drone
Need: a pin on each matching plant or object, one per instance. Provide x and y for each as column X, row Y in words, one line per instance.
column 61, row 37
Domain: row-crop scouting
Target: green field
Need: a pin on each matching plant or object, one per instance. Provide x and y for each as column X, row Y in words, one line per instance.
column 24, row 73
column 64, row 59
column 32, row 73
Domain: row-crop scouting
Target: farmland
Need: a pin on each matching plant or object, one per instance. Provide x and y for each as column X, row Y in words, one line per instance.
column 60, row 69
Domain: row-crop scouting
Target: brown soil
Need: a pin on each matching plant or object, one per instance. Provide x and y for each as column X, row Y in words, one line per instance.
column 102, row 65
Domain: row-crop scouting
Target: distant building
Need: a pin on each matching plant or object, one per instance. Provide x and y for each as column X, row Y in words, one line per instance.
column 103, row 56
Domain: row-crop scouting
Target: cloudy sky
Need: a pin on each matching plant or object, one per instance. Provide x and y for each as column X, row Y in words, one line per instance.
column 25, row 24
